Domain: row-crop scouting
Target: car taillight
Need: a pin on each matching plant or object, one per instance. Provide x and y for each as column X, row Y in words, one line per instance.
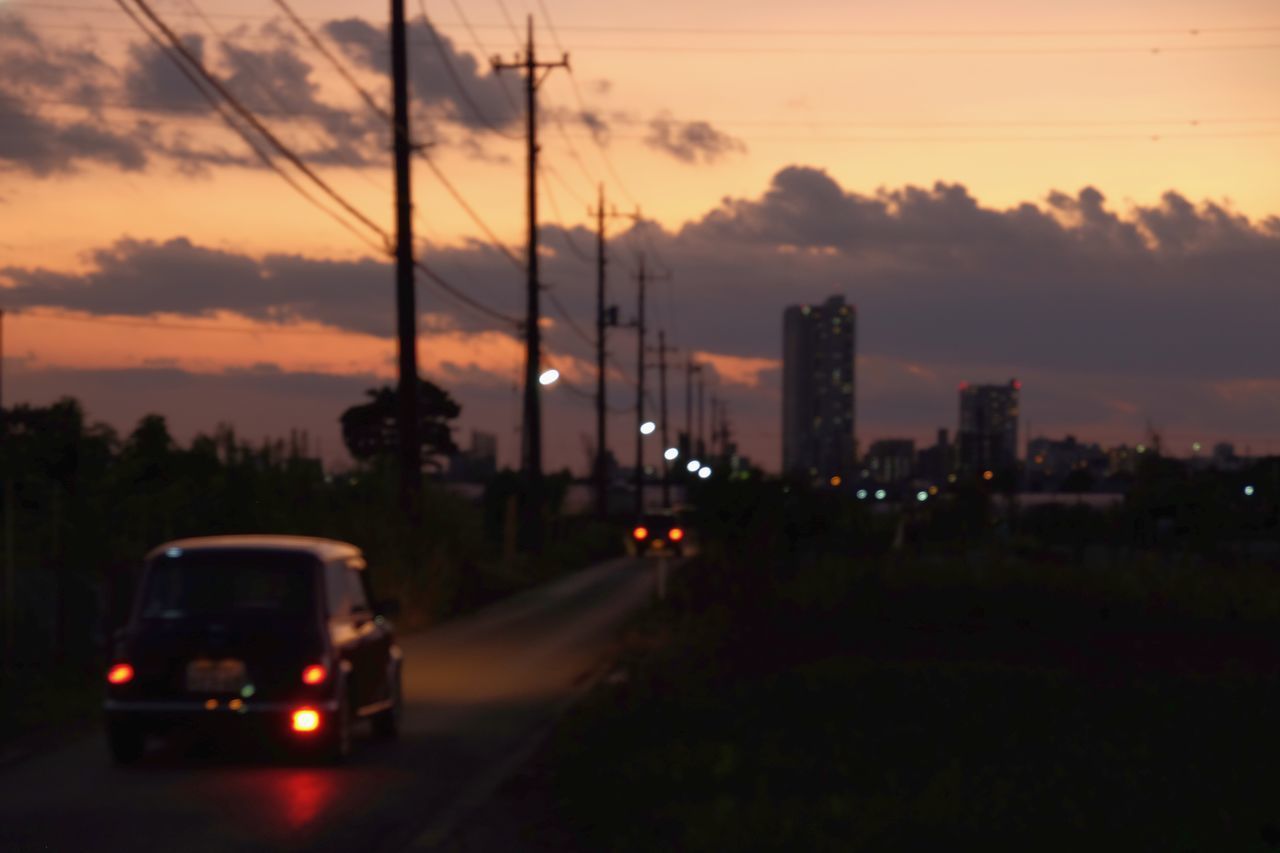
column 121, row 673
column 314, row 674
column 306, row 720
column 640, row 532
column 676, row 534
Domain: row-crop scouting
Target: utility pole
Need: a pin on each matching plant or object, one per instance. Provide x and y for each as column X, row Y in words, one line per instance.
column 640, row 278
column 690, row 370
column 702, row 420
column 663, row 349
column 406, row 310
column 601, row 472
column 531, row 444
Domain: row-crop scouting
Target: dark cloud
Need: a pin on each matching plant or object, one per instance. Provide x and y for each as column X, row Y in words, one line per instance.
column 431, row 82
column 1105, row 312
column 152, row 80
column 691, row 141
column 143, row 278
column 31, row 143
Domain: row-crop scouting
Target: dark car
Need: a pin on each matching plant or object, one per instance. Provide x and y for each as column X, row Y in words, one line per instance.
column 274, row 634
column 658, row 534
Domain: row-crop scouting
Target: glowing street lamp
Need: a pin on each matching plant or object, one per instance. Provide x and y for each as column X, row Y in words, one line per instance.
column 670, row 453
column 693, row 465
column 1248, row 491
column 922, row 495
column 862, row 494
column 704, row 472
column 549, row 377
column 647, row 428
column 881, row 494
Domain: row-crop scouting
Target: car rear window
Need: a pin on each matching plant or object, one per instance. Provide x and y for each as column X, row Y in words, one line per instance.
column 198, row 584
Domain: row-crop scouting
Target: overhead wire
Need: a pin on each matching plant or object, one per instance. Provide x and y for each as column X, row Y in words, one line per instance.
column 230, row 118
column 250, row 118
column 457, row 79
column 502, row 80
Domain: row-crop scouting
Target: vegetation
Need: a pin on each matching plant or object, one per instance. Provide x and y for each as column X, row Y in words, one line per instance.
column 819, row 680
column 82, row 505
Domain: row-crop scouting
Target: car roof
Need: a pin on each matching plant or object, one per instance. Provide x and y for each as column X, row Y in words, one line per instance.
column 322, row 549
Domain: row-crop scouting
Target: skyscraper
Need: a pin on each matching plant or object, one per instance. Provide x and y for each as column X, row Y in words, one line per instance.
column 988, row 436
column 818, row 346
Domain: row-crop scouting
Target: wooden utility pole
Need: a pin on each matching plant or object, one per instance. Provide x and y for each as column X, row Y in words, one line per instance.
column 641, row 276
column 690, row 370
column 406, row 309
column 663, row 349
column 531, row 439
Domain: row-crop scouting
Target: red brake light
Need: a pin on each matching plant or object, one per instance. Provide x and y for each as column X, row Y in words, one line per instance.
column 676, row 534
column 306, row 720
column 314, row 674
column 121, row 673
column 640, row 532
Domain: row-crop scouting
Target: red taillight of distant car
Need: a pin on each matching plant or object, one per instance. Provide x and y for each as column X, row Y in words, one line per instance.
column 314, row 674
column 640, row 532
column 676, row 534
column 306, row 720
column 121, row 673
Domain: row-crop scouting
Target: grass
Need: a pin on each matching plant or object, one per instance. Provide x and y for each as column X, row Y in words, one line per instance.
column 936, row 703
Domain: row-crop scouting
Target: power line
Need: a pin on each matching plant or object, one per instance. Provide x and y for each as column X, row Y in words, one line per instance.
column 471, row 212
column 338, row 64
column 572, row 245
column 230, row 120
column 253, row 120
column 463, row 297
column 457, row 80
column 568, row 318
column 502, row 81
column 509, row 24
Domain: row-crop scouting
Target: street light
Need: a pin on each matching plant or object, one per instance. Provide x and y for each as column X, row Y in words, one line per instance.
column 881, row 494
column 862, row 494
column 671, row 453
column 693, row 465
column 647, row 427
column 704, row 472
column 548, row 377
column 1248, row 491
column 922, row 495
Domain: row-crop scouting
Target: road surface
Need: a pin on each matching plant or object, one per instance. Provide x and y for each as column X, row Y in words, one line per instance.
column 476, row 691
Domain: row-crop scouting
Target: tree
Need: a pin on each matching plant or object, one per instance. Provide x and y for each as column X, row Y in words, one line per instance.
column 370, row 430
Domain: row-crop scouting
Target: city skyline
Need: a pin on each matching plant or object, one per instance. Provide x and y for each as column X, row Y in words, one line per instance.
column 1114, row 253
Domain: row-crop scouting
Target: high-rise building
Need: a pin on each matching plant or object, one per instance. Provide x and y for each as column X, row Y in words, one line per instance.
column 818, row 346
column 891, row 460
column 988, row 435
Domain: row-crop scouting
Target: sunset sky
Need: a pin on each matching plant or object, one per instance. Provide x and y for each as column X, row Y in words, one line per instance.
column 1085, row 196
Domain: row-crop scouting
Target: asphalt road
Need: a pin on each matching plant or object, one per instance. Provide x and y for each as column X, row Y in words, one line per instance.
column 477, row 691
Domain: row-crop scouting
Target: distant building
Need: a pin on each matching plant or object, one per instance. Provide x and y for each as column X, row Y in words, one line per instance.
column 935, row 463
column 818, row 389
column 1065, row 465
column 479, row 462
column 891, row 460
column 988, row 435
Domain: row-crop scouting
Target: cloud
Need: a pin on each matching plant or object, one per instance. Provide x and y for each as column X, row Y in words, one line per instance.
column 41, row 147
column 436, row 60
column 692, row 141
column 1165, row 308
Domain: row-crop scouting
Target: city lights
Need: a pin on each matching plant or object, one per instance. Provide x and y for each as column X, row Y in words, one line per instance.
column 647, row 427
column 548, row 377
column 988, row 474
column 881, row 494
column 704, row 472
column 922, row 495
column 693, row 465
column 1248, row 491
column 670, row 454
column 835, row 481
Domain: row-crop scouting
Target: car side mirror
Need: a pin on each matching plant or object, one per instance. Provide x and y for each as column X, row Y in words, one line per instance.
column 387, row 607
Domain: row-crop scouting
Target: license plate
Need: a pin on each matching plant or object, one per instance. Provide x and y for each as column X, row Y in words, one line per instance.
column 220, row 676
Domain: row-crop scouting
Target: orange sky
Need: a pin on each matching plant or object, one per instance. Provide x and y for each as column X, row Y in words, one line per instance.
column 1012, row 99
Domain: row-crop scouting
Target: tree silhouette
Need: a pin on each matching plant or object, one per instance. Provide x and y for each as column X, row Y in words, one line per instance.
column 370, row 430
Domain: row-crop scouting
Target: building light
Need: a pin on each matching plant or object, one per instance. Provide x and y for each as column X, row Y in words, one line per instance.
column 1248, row 491
column 922, row 495
column 862, row 494
column 988, row 474
column 881, row 494
column 835, row 481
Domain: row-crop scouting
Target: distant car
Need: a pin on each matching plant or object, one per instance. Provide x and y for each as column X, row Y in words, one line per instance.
column 658, row 534
column 276, row 634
